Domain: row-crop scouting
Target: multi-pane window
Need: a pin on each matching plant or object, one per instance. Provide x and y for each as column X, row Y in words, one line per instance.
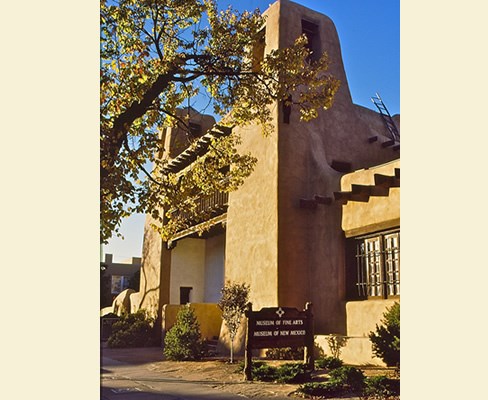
column 378, row 265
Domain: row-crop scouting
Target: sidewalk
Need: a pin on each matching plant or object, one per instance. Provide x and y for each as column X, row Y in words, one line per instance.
column 141, row 374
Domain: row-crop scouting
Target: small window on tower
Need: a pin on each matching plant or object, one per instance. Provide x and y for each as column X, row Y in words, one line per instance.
column 258, row 50
column 311, row 31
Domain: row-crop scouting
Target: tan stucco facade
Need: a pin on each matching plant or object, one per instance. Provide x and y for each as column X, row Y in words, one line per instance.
column 289, row 253
column 379, row 213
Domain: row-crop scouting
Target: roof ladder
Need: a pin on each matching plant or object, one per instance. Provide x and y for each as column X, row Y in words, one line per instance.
column 390, row 125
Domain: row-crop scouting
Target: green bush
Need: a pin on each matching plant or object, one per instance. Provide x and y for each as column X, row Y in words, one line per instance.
column 285, row 353
column 324, row 390
column 328, row 362
column 133, row 330
column 386, row 339
column 292, row 373
column 255, row 364
column 264, row 372
column 183, row 341
column 286, row 373
column 381, row 387
column 348, row 376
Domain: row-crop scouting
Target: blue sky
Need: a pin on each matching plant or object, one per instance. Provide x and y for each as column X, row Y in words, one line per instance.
column 369, row 32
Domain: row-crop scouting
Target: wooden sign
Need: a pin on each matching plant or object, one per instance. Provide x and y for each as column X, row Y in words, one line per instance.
column 276, row 327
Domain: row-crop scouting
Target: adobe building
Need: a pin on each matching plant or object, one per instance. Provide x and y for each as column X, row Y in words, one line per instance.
column 120, row 273
column 317, row 221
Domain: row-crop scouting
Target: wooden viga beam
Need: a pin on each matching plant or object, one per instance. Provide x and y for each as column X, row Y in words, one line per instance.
column 323, row 199
column 309, row 204
column 386, row 181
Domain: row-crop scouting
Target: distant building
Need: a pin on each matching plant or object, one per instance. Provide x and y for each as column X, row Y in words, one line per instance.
column 120, row 273
column 318, row 220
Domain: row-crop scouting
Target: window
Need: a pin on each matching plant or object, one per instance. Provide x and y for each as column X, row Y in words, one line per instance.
column 311, row 31
column 286, row 109
column 377, row 259
column 185, row 294
column 258, row 50
column 119, row 283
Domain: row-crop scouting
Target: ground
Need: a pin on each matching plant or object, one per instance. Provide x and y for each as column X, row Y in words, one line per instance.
column 217, row 372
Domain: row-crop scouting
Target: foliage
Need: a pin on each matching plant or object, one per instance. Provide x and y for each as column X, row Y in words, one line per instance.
column 183, row 341
column 285, row 373
column 381, row 387
column 292, row 373
column 233, row 303
column 328, row 362
column 285, row 353
column 348, row 376
column 160, row 56
column 318, row 389
column 133, row 330
column 386, row 339
column 336, row 343
column 255, row 364
column 264, row 372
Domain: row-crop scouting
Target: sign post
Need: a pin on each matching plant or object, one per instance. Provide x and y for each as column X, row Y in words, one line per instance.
column 275, row 327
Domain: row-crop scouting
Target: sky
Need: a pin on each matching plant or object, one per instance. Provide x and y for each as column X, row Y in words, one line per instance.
column 369, row 33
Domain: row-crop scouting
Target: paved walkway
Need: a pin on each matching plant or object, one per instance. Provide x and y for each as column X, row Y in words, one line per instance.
column 129, row 374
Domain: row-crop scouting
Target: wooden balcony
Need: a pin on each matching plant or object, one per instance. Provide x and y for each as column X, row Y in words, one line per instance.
column 210, row 210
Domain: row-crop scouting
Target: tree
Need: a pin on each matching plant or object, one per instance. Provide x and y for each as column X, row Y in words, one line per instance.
column 233, row 304
column 161, row 55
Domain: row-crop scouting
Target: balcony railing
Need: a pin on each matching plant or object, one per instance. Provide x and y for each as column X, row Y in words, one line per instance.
column 208, row 207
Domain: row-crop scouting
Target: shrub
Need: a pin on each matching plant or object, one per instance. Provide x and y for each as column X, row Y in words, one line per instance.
column 328, row 362
column 264, row 372
column 183, row 341
column 286, row 373
column 285, row 353
column 336, row 343
column 348, row 376
column 133, row 330
column 381, row 387
column 326, row 389
column 386, row 339
column 292, row 373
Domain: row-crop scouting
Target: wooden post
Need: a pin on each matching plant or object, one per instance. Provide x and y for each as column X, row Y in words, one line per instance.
column 248, row 348
column 308, row 358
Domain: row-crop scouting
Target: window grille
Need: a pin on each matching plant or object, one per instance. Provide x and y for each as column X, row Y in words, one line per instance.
column 378, row 265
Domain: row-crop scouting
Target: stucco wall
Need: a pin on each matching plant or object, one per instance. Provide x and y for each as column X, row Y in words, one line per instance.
column 154, row 289
column 214, row 268
column 311, row 242
column 379, row 212
column 188, row 269
column 362, row 318
column 252, row 218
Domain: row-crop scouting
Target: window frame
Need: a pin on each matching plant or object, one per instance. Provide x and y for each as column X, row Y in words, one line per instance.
column 377, row 265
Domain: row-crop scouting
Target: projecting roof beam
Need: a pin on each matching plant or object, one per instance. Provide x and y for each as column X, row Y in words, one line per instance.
column 323, row 199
